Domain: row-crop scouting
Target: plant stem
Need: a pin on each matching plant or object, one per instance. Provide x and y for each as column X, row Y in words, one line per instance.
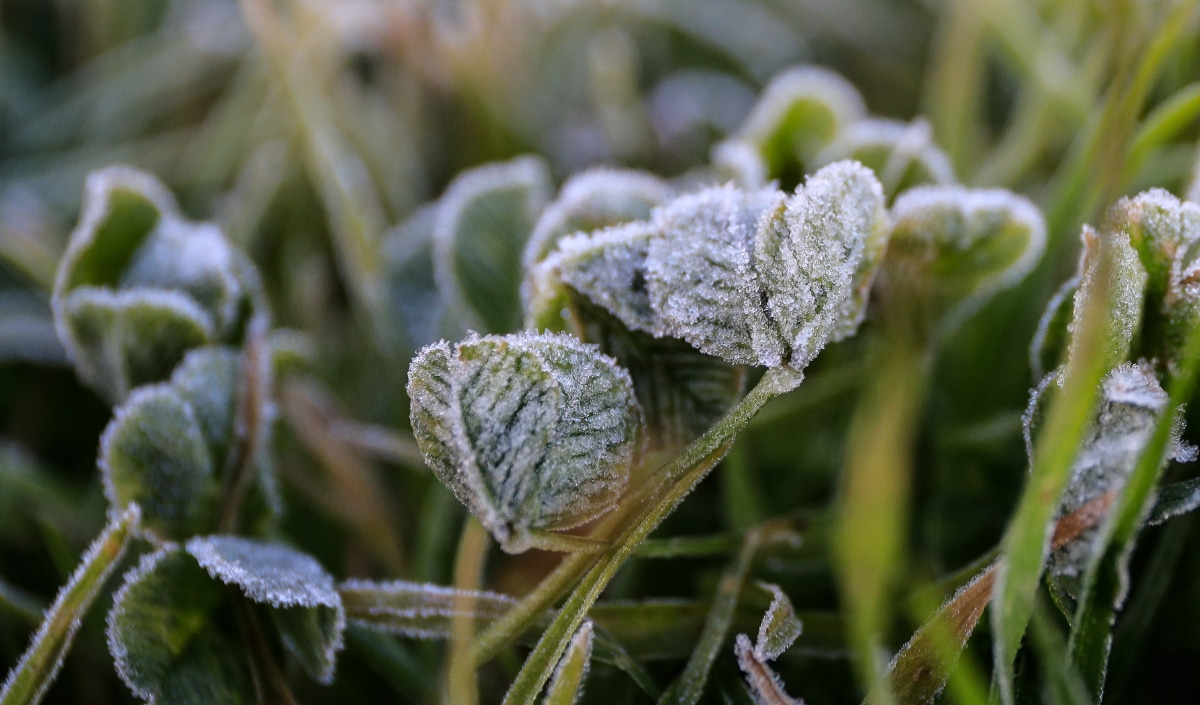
column 678, row 479
column 461, row 686
column 35, row 672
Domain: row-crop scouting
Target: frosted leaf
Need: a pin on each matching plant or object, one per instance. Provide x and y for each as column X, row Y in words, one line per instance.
column 609, row 267
column 682, row 391
column 566, row 685
column 154, row 453
column 1125, row 287
column 799, row 113
column 418, row 309
column 963, row 245
column 902, row 154
column 593, row 200
column 419, row 610
column 1049, row 343
column 139, row 285
column 701, row 278
column 1166, row 234
column 307, row 610
column 531, row 432
column 766, row 688
column 739, row 161
column 818, row 258
column 482, row 225
column 1176, row 499
column 37, row 668
column 120, row 340
column 164, row 638
column 1131, row 402
column 780, row 626
column 920, row 669
column 207, row 379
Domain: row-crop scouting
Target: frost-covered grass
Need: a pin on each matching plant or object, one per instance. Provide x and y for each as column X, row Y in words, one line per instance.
column 682, row 351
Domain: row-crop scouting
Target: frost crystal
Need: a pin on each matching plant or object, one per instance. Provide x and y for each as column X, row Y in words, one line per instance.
column 530, row 432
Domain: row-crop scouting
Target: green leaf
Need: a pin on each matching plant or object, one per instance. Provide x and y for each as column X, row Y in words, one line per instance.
column 700, row 274
column 592, row 200
column 957, row 247
column 531, row 432
column 207, row 379
column 1175, row 500
column 799, row 113
column 138, row 285
column 1027, row 541
column 902, row 154
column 418, row 308
column 567, row 684
column 483, row 222
column 122, row 340
column 818, row 258
column 1125, row 287
column 305, row 605
column 164, row 638
column 154, row 453
column 34, row 673
column 780, row 626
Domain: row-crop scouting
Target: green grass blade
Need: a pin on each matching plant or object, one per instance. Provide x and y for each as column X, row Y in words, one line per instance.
column 1027, row 541
column 35, row 672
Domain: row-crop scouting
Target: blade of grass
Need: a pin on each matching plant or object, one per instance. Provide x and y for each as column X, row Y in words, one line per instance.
column 871, row 527
column 460, row 685
column 29, row 680
column 1027, row 542
column 1106, row 581
column 688, row 688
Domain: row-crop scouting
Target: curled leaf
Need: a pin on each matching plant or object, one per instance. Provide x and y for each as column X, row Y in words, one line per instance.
column 306, row 607
column 800, row 111
column 1125, row 287
column 780, row 626
column 482, row 224
column 902, row 154
column 139, row 285
column 530, row 432
column 154, row 453
column 1131, row 402
column 1165, row 232
column 957, row 247
column 164, row 638
column 592, row 200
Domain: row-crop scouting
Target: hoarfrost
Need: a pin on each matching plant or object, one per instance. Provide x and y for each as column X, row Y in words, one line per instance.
column 529, row 431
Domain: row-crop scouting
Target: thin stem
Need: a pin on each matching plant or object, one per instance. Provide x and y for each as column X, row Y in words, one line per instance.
column 248, row 427
column 35, row 672
column 678, row 479
column 461, row 686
